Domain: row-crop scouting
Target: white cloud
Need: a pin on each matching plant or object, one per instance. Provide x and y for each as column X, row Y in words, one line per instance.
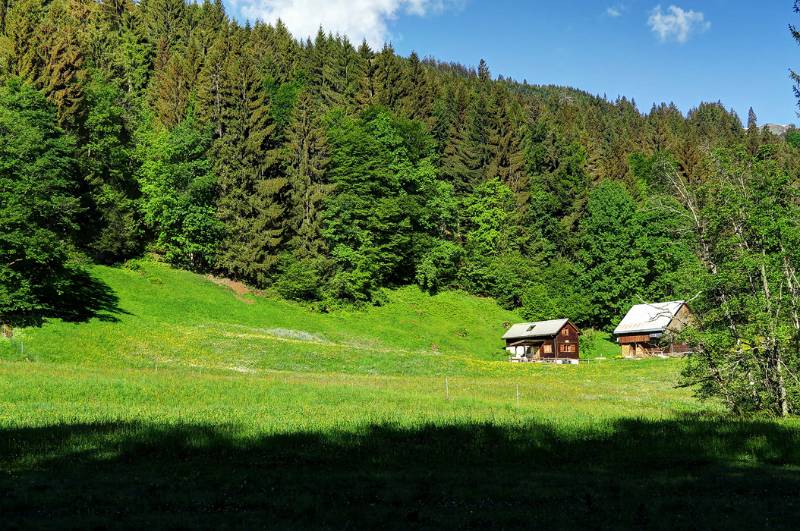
column 615, row 10
column 676, row 23
column 356, row 19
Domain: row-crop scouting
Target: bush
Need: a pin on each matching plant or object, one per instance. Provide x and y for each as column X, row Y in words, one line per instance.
column 300, row 280
column 439, row 267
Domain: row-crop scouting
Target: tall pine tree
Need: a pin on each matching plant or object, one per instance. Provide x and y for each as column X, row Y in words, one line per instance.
column 246, row 163
column 306, row 159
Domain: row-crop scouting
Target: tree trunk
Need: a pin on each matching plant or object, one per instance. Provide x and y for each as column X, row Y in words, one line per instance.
column 783, row 402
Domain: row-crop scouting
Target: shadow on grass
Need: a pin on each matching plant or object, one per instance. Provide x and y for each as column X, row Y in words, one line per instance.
column 630, row 474
column 79, row 297
column 87, row 299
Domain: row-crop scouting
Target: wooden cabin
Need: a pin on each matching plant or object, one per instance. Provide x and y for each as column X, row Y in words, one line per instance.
column 554, row 341
column 651, row 329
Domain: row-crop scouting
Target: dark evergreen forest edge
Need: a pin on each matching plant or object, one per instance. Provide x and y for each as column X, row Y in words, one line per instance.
column 328, row 172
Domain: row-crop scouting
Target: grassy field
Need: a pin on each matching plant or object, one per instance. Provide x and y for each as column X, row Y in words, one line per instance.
column 183, row 403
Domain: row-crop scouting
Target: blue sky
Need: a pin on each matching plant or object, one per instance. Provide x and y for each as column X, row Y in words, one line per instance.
column 736, row 51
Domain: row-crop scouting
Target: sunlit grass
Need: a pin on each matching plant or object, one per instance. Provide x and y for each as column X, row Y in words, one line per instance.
column 182, row 348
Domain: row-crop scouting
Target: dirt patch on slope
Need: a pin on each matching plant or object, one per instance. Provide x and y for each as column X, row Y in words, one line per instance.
column 239, row 289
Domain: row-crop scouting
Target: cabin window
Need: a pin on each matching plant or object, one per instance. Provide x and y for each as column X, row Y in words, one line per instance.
column 565, row 331
column 567, row 348
column 547, row 349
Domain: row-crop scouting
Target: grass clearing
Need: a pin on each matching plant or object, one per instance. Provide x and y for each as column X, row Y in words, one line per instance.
column 189, row 407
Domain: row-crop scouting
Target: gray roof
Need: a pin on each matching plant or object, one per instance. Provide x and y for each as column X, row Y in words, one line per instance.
column 648, row 318
column 531, row 330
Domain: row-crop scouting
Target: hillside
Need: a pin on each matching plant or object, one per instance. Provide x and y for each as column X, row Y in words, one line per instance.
column 169, row 318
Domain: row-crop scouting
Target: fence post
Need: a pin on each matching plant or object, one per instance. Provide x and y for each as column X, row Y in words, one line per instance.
column 446, row 389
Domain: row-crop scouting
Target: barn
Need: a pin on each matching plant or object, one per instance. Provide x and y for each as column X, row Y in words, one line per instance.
column 555, row 341
column 650, row 329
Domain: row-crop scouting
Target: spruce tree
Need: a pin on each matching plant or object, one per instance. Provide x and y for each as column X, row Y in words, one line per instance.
column 281, row 49
column 444, row 113
column 484, row 75
column 306, row 159
column 43, row 48
column 172, row 87
column 388, row 79
column 63, row 75
column 245, row 157
column 753, row 134
column 461, row 162
column 418, row 97
column 164, row 21
column 23, row 41
column 365, row 72
column 131, row 59
column 209, row 21
column 210, row 89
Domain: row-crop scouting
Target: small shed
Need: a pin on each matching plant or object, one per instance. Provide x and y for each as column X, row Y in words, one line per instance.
column 651, row 329
column 543, row 341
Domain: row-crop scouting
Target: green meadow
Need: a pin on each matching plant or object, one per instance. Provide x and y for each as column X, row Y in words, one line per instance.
column 184, row 403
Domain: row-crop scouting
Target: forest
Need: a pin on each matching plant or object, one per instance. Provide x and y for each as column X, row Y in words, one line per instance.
column 327, row 172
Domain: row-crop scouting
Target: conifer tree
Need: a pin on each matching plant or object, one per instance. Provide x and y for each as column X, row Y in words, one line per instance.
column 316, row 54
column 306, row 159
column 388, row 79
column 208, row 22
column 164, row 20
column 210, row 89
column 327, row 70
column 63, row 74
column 43, row 49
column 4, row 6
column 281, row 49
column 753, row 134
column 484, row 75
column 481, row 122
column 505, row 147
column 246, row 164
column 131, row 59
column 349, row 66
column 443, row 114
column 461, row 160
column 172, row 86
column 365, row 72
column 21, row 48
column 417, row 100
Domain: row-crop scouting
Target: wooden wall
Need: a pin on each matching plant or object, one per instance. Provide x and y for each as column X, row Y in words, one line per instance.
column 567, row 344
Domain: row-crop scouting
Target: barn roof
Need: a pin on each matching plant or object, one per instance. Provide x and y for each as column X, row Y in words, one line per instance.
column 539, row 329
column 646, row 318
